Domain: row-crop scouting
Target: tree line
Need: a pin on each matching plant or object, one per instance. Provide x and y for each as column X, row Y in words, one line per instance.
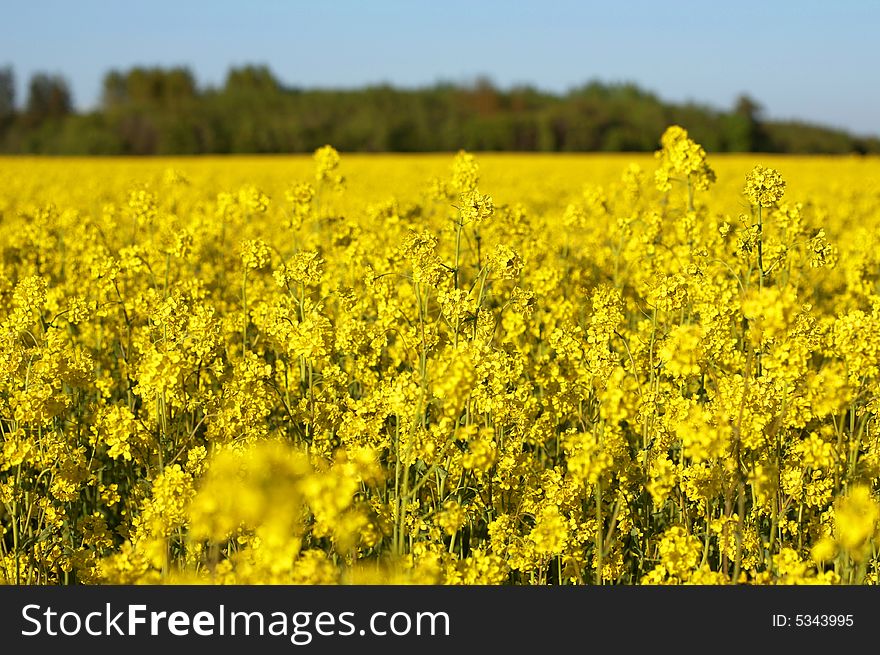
column 163, row 111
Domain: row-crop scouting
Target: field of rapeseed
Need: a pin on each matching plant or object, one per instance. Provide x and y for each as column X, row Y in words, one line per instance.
column 440, row 369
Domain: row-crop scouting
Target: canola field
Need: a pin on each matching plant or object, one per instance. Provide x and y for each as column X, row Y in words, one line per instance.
column 440, row 369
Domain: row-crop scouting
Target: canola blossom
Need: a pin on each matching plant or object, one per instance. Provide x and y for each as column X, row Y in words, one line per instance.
column 444, row 369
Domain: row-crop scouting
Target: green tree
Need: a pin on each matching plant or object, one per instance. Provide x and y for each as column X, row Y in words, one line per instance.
column 49, row 99
column 153, row 110
column 743, row 129
column 7, row 96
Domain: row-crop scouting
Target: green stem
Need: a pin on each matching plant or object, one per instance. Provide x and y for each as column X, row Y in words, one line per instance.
column 760, row 249
column 458, row 228
column 15, row 526
column 396, row 538
column 599, row 533
column 244, row 337
column 167, row 270
column 480, row 298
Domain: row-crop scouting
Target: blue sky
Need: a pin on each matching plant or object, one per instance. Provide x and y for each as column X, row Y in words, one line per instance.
column 816, row 61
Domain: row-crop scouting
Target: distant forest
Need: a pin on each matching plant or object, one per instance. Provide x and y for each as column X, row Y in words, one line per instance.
column 158, row 111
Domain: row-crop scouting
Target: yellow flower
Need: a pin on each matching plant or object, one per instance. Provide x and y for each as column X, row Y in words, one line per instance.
column 682, row 156
column 452, row 517
column 326, row 162
column 439, row 382
column 764, row 186
column 855, row 520
column 682, row 351
column 505, row 262
column 255, row 253
column 116, row 428
column 476, row 207
column 465, row 173
column 550, row 534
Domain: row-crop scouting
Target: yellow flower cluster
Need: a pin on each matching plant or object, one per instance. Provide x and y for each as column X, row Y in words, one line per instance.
column 681, row 156
column 449, row 369
column 764, row 186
